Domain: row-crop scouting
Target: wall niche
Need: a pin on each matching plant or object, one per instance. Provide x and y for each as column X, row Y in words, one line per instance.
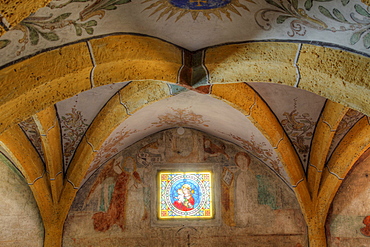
column 117, row 206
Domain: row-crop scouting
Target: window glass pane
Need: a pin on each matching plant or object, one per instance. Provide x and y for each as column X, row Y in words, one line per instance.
column 185, row 195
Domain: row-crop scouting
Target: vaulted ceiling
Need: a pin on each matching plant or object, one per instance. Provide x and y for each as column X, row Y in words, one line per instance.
column 286, row 80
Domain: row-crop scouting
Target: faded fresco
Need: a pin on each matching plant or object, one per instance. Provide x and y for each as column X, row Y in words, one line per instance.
column 114, row 206
column 78, row 112
column 349, row 220
column 20, row 221
column 193, row 110
column 298, row 112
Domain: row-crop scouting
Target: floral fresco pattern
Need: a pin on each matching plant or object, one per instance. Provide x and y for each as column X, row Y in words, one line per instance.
column 260, row 151
column 299, row 128
column 73, row 126
column 180, row 117
column 357, row 22
column 110, row 147
column 35, row 27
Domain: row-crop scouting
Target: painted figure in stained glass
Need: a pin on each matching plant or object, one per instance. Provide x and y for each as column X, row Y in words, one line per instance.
column 185, row 195
column 185, row 200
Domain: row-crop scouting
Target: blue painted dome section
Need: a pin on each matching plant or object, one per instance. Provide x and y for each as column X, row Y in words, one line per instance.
column 199, row 5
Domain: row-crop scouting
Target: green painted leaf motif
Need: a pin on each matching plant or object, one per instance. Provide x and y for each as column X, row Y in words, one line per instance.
column 282, row 18
column 273, row 3
column 339, row 16
column 61, row 17
column 356, row 37
column 91, row 23
column 50, row 36
column 359, row 9
column 110, row 7
column 122, row 2
column 295, row 4
column 34, row 36
column 78, row 30
column 4, row 43
column 326, row 12
column 89, row 30
column 308, row 4
column 367, row 41
column 345, row 2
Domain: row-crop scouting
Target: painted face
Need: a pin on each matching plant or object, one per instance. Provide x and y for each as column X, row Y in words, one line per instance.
column 243, row 161
column 186, row 191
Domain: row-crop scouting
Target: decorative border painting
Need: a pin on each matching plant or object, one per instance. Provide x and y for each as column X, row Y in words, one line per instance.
column 184, row 195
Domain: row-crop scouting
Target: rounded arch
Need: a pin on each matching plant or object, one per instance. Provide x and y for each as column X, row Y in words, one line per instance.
column 34, row 84
column 334, row 74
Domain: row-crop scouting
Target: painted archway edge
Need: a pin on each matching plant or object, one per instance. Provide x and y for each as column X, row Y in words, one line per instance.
column 34, row 84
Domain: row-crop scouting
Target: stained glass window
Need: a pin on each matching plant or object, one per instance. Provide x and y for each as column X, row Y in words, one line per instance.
column 185, row 195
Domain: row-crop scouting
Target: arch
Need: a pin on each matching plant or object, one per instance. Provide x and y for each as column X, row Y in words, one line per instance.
column 317, row 69
column 324, row 134
column 128, row 100
column 245, row 99
column 34, row 84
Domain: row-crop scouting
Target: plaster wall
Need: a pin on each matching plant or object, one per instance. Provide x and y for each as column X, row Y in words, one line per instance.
column 20, row 221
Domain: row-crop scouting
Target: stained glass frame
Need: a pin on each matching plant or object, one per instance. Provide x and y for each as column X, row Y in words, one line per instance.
column 213, row 215
column 185, row 195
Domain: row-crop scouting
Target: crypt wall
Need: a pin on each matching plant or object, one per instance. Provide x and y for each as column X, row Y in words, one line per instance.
column 114, row 206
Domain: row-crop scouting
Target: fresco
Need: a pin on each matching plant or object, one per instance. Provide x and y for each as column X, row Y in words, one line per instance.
column 185, row 195
column 297, row 110
column 195, row 7
column 34, row 27
column 190, row 109
column 20, row 221
column 187, row 23
column 348, row 222
column 77, row 113
column 115, row 205
column 353, row 19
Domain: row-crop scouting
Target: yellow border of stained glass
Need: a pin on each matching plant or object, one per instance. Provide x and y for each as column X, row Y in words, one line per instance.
column 200, row 184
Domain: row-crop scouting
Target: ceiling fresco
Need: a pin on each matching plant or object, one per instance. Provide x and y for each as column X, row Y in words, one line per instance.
column 191, row 24
column 297, row 111
column 191, row 110
column 78, row 112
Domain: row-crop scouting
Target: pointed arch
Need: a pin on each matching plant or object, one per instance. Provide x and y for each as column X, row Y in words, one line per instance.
column 128, row 100
column 245, row 99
